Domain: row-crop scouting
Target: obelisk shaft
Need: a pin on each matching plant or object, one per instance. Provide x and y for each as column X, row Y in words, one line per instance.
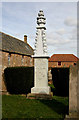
column 40, row 58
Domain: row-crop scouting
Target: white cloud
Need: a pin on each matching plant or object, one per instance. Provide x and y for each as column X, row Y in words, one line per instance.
column 70, row 21
column 61, row 31
column 73, row 34
column 56, row 40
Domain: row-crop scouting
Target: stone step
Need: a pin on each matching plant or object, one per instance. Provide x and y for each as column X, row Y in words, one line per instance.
column 39, row 96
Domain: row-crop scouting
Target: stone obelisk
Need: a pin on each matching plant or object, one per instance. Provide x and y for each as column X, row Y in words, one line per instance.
column 40, row 58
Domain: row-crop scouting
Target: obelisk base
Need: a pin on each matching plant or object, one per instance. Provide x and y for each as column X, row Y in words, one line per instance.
column 40, row 96
column 40, row 93
column 40, row 90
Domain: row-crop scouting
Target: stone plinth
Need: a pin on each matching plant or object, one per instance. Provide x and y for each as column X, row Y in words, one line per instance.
column 41, row 76
column 40, row 96
column 41, row 90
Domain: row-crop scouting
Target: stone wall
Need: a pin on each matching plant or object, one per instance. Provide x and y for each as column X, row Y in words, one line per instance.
column 74, row 90
column 13, row 60
column 63, row 64
column 78, row 87
column 0, row 71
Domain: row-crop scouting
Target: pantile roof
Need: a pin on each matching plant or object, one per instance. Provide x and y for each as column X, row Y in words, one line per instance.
column 14, row 45
column 63, row 57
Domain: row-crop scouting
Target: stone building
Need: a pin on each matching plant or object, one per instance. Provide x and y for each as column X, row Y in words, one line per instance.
column 59, row 71
column 14, row 52
column 62, row 60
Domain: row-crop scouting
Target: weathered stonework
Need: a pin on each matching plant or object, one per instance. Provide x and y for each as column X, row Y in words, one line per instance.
column 41, row 76
column 74, row 92
column 73, row 89
column 63, row 64
column 50, row 81
column 0, row 72
column 40, row 96
column 78, row 86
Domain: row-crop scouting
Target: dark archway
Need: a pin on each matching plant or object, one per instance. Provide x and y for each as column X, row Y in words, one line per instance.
column 60, row 77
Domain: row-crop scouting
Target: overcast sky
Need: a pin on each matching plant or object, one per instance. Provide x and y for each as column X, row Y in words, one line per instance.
column 19, row 18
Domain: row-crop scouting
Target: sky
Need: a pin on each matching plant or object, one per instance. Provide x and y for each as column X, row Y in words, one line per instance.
column 19, row 19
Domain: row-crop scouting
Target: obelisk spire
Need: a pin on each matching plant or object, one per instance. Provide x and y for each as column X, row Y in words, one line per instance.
column 40, row 40
column 40, row 59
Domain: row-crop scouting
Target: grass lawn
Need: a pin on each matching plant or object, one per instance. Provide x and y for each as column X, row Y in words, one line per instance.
column 16, row 106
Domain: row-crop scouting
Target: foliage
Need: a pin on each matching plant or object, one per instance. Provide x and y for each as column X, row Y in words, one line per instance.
column 52, row 87
column 60, row 77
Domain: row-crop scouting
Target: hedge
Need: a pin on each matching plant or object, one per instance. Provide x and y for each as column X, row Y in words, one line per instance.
column 60, row 77
column 19, row 80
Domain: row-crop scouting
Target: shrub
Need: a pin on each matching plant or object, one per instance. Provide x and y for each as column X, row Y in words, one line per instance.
column 19, row 80
column 52, row 87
